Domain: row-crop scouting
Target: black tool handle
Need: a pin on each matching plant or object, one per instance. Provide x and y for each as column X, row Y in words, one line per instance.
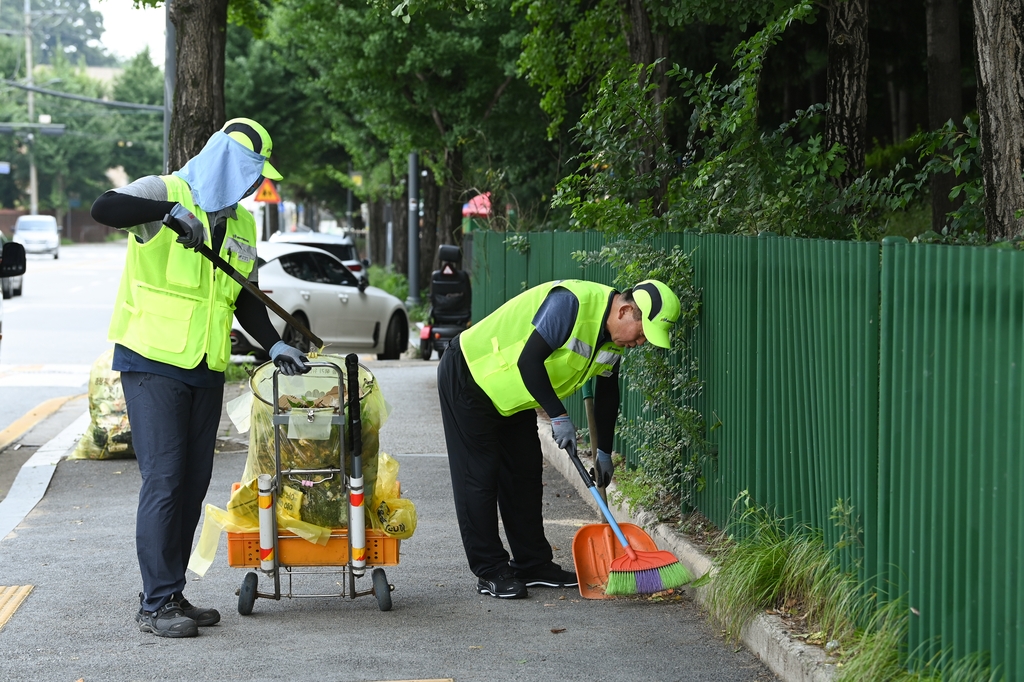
column 249, row 286
column 355, row 422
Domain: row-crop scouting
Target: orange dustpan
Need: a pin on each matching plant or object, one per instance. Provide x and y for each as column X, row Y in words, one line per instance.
column 594, row 548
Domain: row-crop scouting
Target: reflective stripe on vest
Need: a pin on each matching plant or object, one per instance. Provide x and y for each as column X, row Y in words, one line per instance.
column 171, row 305
column 492, row 346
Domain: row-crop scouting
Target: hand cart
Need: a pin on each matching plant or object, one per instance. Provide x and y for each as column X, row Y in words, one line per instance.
column 348, row 550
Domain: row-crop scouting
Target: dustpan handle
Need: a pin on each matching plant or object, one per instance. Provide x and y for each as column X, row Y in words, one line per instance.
column 571, row 450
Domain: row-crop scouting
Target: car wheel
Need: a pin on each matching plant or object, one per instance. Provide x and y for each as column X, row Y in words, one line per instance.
column 293, row 337
column 6, row 288
column 17, row 292
column 56, row 255
column 396, row 340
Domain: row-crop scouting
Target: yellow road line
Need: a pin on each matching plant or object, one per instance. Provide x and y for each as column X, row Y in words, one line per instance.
column 10, row 600
column 33, row 417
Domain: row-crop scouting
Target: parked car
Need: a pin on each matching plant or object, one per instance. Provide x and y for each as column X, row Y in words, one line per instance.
column 10, row 286
column 343, row 248
column 38, row 234
column 12, row 264
column 320, row 292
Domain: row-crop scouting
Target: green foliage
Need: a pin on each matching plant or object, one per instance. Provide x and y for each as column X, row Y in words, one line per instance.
column 954, row 150
column 768, row 567
column 731, row 177
column 397, row 284
column 667, row 437
column 236, row 372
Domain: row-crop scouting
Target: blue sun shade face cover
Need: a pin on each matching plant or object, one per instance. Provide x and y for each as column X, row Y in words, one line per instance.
column 221, row 173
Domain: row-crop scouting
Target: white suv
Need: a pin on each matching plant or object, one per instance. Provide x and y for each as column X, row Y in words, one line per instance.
column 38, row 234
column 343, row 248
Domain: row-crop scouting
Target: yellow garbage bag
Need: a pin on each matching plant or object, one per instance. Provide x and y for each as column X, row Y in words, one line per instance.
column 389, row 512
column 242, row 516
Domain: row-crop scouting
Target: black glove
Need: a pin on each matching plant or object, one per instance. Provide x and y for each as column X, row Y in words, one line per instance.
column 190, row 229
column 289, row 360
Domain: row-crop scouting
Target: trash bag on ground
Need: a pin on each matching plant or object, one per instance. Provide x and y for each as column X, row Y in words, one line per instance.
column 109, row 435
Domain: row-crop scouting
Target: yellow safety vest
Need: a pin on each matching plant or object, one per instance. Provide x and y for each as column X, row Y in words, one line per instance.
column 172, row 305
column 492, row 346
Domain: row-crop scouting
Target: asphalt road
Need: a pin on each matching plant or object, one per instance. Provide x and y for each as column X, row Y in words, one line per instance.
column 77, row 551
column 57, row 328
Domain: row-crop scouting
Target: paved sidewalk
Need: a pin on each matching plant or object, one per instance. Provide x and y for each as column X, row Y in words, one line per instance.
column 76, row 550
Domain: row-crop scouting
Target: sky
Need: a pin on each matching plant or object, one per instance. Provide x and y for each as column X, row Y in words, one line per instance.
column 128, row 30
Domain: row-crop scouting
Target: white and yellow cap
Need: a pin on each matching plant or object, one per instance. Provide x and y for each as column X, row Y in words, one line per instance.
column 255, row 137
column 659, row 309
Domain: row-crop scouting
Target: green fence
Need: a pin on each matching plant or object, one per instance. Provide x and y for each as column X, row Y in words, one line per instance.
column 888, row 376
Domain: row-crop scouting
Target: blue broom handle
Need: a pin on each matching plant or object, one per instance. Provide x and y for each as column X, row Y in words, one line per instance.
column 571, row 451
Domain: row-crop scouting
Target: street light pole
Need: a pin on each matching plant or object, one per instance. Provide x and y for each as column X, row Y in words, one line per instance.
column 33, row 184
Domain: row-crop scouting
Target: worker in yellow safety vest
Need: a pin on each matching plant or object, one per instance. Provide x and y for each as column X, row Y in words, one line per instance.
column 171, row 330
column 534, row 350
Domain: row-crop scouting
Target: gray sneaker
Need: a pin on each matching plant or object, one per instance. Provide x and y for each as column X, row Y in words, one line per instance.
column 167, row 621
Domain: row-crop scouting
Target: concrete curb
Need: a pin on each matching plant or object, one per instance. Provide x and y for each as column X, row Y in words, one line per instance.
column 765, row 637
column 35, row 474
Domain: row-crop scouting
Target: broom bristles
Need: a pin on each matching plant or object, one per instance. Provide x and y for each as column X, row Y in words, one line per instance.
column 651, row 572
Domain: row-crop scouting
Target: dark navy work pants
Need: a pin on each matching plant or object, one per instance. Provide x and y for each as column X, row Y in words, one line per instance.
column 174, row 430
column 496, row 464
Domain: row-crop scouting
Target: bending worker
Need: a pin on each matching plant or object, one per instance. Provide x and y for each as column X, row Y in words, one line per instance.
column 534, row 350
column 171, row 331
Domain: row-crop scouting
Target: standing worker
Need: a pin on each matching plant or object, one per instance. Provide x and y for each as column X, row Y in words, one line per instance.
column 534, row 350
column 171, row 330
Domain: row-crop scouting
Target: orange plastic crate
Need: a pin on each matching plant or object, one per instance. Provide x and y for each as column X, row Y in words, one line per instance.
column 244, row 549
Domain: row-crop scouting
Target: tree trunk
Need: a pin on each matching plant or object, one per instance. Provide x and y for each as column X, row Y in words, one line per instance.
column 429, row 193
column 647, row 47
column 200, row 29
column 944, row 92
column 376, row 232
column 400, row 233
column 847, row 78
column 449, row 220
column 999, row 42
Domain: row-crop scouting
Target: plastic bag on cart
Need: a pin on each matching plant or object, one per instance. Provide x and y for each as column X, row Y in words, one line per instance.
column 242, row 516
column 315, row 394
column 109, row 435
column 389, row 512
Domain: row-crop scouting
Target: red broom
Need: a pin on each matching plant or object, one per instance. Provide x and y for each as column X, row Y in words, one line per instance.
column 636, row 572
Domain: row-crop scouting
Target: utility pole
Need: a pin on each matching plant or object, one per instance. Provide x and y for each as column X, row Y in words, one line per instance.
column 33, row 184
column 414, row 230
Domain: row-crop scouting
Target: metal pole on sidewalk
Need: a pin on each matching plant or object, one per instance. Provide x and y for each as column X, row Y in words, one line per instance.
column 414, row 230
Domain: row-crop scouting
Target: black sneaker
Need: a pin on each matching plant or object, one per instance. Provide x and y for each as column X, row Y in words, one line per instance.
column 504, row 586
column 551, row 575
column 202, row 617
column 167, row 621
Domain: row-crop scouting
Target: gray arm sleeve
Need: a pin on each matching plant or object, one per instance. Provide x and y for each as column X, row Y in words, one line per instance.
column 149, row 187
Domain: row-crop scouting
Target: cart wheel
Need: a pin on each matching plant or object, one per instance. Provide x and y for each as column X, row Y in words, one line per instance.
column 426, row 349
column 381, row 589
column 247, row 593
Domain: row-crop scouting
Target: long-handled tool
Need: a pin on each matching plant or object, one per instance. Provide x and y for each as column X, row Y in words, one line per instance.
column 636, row 572
column 250, row 287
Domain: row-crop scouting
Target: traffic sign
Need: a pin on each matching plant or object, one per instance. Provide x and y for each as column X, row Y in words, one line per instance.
column 267, row 193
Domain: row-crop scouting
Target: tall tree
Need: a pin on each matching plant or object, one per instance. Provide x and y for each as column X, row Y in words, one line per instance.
column 999, row 44
column 847, row 79
column 944, row 90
